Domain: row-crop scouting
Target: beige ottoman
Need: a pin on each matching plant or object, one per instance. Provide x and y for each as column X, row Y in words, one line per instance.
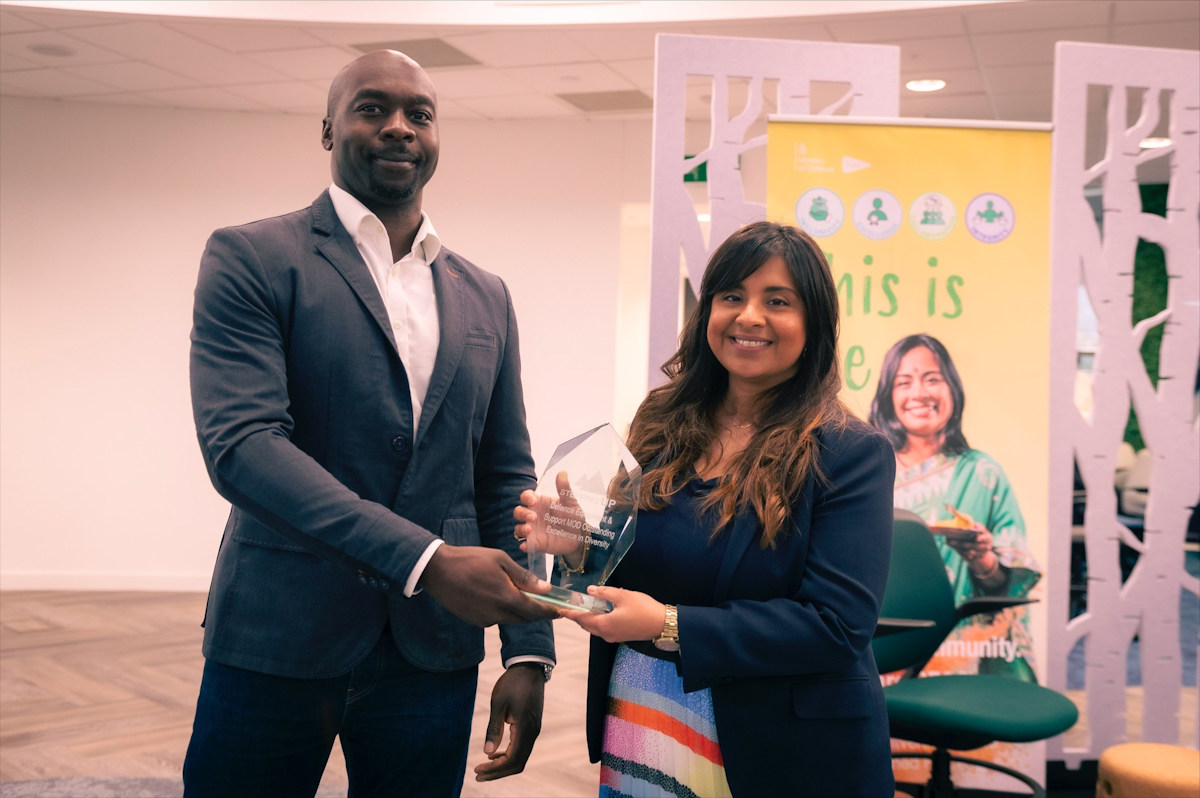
column 1148, row 770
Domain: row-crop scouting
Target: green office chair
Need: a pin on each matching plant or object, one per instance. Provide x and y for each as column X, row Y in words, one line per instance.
column 952, row 713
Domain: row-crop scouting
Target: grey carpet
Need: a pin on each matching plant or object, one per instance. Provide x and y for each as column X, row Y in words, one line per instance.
column 112, row 788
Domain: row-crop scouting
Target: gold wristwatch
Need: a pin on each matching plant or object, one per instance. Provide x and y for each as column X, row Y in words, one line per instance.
column 668, row 639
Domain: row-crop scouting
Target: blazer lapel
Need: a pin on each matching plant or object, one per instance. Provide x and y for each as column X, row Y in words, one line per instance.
column 447, row 288
column 745, row 524
column 336, row 245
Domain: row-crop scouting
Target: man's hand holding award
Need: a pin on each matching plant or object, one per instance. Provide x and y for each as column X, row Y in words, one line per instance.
column 581, row 520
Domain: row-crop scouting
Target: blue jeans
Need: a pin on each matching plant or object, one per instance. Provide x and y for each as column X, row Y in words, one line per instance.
column 404, row 731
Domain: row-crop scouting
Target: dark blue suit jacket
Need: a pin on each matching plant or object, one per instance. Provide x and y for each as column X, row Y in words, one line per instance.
column 785, row 645
column 304, row 418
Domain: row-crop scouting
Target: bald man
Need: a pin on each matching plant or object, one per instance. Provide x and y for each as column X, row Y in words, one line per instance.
column 357, row 396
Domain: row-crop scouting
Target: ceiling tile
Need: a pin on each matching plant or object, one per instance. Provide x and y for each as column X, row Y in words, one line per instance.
column 971, row 106
column 213, row 99
column 449, row 109
column 616, row 44
column 1025, row 107
column 1154, row 10
column 609, row 101
column 80, row 53
column 1020, row 79
column 247, row 37
column 639, row 72
column 628, row 115
column 569, row 78
column 158, row 44
column 775, row 29
column 1030, row 47
column 350, row 35
column 520, row 48
column 926, row 54
column 54, row 83
column 891, row 28
column 527, row 106
column 15, row 23
column 1181, row 35
column 1004, row 17
column 62, row 19
column 1012, row 41
column 474, row 82
column 120, row 98
column 132, row 76
column 309, row 63
column 13, row 63
column 9, row 90
column 293, row 96
column 430, row 52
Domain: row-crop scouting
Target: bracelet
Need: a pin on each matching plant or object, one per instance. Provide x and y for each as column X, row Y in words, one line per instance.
column 565, row 566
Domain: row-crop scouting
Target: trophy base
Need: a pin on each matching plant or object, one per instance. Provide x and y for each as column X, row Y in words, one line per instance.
column 569, row 599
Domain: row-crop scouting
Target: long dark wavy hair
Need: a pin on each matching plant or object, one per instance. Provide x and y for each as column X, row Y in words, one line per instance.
column 883, row 406
column 676, row 425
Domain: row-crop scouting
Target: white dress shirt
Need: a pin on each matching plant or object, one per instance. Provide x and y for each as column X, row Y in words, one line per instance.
column 406, row 286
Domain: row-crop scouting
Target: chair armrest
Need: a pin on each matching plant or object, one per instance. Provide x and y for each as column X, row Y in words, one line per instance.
column 887, row 626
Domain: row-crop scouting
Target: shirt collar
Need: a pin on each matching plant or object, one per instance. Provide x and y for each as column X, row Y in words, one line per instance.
column 352, row 214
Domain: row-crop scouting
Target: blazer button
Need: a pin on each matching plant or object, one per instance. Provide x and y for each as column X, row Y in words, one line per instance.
column 398, row 443
column 384, row 585
column 374, row 582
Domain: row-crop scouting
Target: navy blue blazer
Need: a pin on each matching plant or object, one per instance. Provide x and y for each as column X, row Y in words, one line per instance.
column 785, row 646
column 305, row 421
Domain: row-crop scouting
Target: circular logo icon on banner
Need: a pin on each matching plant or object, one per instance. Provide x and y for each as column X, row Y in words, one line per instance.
column 820, row 212
column 932, row 215
column 877, row 214
column 990, row 218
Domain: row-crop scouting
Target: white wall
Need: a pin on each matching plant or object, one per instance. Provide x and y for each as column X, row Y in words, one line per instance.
column 104, row 212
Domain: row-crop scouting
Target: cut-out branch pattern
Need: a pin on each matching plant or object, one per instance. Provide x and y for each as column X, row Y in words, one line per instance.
column 1101, row 260
column 678, row 244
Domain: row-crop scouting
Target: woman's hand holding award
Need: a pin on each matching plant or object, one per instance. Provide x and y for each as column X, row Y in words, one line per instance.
column 583, row 520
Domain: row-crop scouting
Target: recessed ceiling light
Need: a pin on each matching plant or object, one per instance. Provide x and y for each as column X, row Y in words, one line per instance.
column 56, row 50
column 1154, row 143
column 925, row 84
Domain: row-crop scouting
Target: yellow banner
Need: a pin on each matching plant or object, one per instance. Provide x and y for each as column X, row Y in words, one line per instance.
column 938, row 238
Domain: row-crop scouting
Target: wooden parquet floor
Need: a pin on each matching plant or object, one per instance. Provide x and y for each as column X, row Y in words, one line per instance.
column 103, row 684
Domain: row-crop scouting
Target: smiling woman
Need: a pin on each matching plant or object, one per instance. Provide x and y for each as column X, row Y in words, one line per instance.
column 964, row 496
column 756, row 328
column 744, row 610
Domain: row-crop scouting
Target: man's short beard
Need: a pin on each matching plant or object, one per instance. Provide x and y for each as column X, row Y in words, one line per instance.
column 391, row 191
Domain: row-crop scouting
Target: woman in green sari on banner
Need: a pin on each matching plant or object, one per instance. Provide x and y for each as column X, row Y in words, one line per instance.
column 965, row 497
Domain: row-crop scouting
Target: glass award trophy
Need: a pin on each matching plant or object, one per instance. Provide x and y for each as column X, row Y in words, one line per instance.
column 586, row 517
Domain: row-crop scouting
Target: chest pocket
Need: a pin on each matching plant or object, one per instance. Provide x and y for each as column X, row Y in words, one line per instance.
column 470, row 393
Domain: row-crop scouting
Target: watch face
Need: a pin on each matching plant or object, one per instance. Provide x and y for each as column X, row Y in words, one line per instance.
column 666, row 644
